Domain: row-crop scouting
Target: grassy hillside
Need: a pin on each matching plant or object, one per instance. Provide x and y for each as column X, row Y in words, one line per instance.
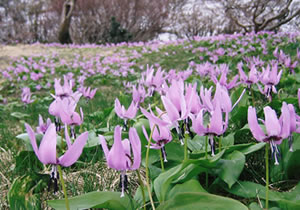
column 114, row 70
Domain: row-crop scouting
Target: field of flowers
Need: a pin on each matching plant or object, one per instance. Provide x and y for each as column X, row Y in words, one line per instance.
column 208, row 123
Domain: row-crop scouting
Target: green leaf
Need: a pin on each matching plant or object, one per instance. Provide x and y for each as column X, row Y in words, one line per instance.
column 284, row 200
column 189, row 186
column 200, row 201
column 197, row 144
column 92, row 141
column 138, row 197
column 181, row 173
column 19, row 115
column 231, row 167
column 26, row 140
column 108, row 200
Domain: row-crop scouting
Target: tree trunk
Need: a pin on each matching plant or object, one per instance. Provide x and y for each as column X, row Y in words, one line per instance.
column 64, row 32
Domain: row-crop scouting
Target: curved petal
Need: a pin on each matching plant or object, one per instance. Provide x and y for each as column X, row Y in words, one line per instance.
column 74, row 152
column 216, row 121
column 47, row 150
column 68, row 140
column 256, row 130
column 32, row 140
column 271, row 121
column 118, row 108
column 286, row 121
column 170, row 108
column 126, row 147
column 299, row 97
column 153, row 118
column 136, row 148
column 117, row 157
column 104, row 146
column 197, row 124
column 131, row 112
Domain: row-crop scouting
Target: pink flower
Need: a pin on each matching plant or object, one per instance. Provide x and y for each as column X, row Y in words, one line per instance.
column 276, row 129
column 215, row 127
column 123, row 113
column 42, row 128
column 26, row 95
column 252, row 77
column 88, row 93
column 47, row 154
column 119, row 157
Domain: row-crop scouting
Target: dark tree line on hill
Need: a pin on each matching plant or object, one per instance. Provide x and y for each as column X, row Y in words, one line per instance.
column 101, row 21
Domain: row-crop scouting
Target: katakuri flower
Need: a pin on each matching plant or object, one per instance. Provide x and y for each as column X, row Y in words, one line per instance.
column 47, row 154
column 216, row 126
column 119, row 157
column 276, row 129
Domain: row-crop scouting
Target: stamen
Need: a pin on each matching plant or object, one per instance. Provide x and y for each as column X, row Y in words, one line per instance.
column 54, row 176
column 212, row 145
column 163, row 150
column 123, row 182
column 290, row 141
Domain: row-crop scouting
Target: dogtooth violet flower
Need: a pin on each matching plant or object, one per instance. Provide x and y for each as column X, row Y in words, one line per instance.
column 26, row 95
column 124, row 154
column 276, row 129
column 161, row 133
column 55, row 107
column 216, row 126
column 270, row 78
column 42, row 128
column 69, row 116
column 123, row 113
column 252, row 77
column 87, row 92
column 47, row 154
column 294, row 125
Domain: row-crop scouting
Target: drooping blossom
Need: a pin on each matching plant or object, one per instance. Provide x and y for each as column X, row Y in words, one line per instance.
column 299, row 97
column 252, row 77
column 26, row 95
column 294, row 125
column 153, row 82
column 124, row 154
column 123, row 113
column 46, row 151
column 161, row 133
column 138, row 94
column 69, row 116
column 270, row 78
column 276, row 129
column 216, row 126
column 42, row 128
column 64, row 90
column 88, row 92
column 224, row 70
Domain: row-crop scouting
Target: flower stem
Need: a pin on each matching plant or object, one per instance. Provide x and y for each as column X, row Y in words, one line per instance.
column 161, row 161
column 252, row 96
column 206, row 157
column 185, row 145
column 63, row 187
column 267, row 175
column 220, row 143
column 142, row 188
column 147, row 169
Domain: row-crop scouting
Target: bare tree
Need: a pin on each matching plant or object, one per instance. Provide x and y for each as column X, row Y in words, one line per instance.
column 66, row 15
column 196, row 19
column 259, row 15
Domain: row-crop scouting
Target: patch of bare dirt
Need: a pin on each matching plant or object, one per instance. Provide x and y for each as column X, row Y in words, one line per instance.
column 9, row 53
